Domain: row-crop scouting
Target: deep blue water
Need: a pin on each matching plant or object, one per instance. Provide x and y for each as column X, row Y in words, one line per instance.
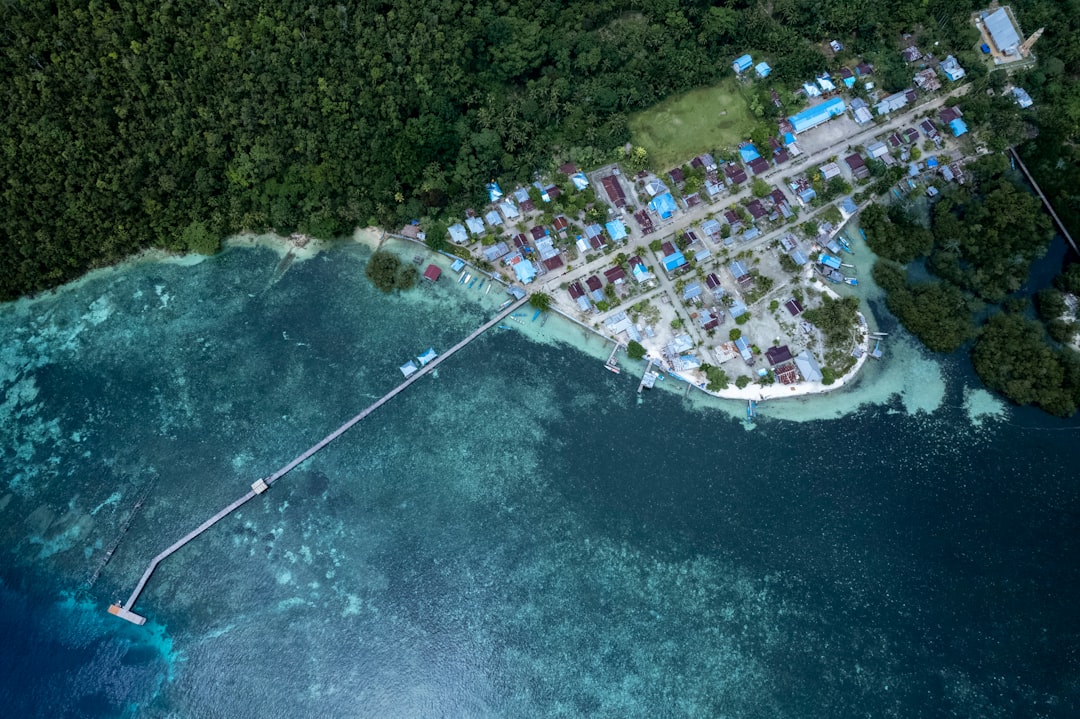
column 515, row 537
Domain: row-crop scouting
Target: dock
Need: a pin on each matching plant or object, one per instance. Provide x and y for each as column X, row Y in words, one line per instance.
column 648, row 379
column 259, row 486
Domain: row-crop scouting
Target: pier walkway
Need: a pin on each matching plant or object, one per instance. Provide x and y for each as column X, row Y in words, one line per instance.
column 261, row 485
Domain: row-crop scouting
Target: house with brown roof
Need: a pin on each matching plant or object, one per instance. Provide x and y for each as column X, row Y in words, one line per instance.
column 735, row 174
column 757, row 210
column 614, row 190
column 857, row 165
column 759, row 165
column 615, row 274
column 644, row 222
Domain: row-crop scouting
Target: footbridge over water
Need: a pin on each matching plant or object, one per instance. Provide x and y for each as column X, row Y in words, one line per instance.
column 261, row 485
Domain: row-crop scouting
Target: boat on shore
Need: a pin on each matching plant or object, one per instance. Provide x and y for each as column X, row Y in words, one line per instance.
column 844, row 244
column 851, row 281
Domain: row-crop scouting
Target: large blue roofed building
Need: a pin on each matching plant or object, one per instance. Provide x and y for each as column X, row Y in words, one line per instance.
column 811, row 117
column 748, row 152
column 742, row 64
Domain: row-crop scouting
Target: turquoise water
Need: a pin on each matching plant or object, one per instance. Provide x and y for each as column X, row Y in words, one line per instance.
column 517, row 536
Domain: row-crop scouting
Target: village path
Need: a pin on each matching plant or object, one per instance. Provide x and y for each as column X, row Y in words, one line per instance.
column 637, row 243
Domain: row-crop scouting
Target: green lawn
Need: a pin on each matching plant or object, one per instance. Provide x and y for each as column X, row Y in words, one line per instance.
column 697, row 121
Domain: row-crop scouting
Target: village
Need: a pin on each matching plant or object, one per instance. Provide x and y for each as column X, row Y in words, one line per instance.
column 717, row 268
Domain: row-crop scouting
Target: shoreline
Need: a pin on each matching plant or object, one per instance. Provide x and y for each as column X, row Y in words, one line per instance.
column 374, row 238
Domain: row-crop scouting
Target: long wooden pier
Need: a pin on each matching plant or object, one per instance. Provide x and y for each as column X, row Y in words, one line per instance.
column 262, row 484
column 1046, row 201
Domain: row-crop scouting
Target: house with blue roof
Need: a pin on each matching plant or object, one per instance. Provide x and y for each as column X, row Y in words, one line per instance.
column 811, row 89
column 521, row 195
column 674, row 261
column 951, row 68
column 848, row 206
column 495, row 192
column 762, row 69
column 931, row 162
column 750, row 233
column 789, row 138
column 958, row 127
column 742, row 64
column 748, row 153
column 581, row 182
column 641, row 273
column 691, row 291
column 663, row 205
column 701, row 255
column 509, row 210
column 525, row 271
column 811, row 117
column 458, row 234
column 616, row 230
column 825, row 83
column 475, row 225
column 741, row 344
column 493, row 218
column 711, row 228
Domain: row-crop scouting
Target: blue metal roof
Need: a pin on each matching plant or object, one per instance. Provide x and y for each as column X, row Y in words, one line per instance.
column 813, row 116
column 675, row 261
column 743, row 63
column 748, row 152
column 663, row 205
column 958, row 127
column 616, row 229
column 1001, row 29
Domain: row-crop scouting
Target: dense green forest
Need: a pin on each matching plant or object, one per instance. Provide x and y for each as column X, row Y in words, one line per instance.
column 171, row 123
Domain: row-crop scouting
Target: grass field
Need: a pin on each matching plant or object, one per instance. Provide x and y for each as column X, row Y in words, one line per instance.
column 686, row 125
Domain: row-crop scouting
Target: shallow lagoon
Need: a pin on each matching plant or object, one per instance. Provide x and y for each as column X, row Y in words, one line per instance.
column 518, row 536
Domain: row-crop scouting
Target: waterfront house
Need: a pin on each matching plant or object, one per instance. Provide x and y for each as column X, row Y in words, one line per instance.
column 432, row 273
column 525, row 271
column 496, row 251
column 458, row 235
column 808, row 366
